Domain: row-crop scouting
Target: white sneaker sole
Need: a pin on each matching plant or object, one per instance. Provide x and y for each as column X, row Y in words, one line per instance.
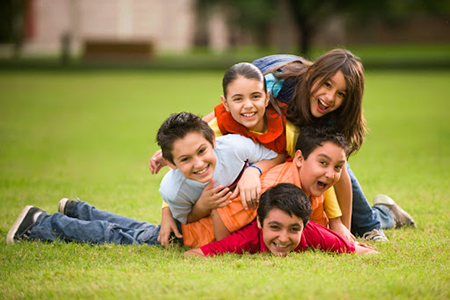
column 15, row 227
column 383, row 199
column 62, row 204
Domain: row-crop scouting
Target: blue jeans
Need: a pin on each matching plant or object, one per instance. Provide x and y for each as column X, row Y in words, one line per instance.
column 366, row 217
column 270, row 62
column 87, row 224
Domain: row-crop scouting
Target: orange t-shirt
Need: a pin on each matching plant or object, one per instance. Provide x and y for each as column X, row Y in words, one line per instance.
column 234, row 216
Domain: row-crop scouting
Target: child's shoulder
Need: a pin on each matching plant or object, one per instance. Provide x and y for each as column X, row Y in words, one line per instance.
column 174, row 182
column 234, row 139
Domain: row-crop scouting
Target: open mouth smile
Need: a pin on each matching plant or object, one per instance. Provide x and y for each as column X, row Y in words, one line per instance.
column 322, row 106
column 202, row 171
column 322, row 185
column 248, row 115
column 281, row 247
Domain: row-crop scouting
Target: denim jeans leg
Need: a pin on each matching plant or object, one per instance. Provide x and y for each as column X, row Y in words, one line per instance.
column 270, row 62
column 385, row 216
column 59, row 227
column 364, row 218
column 85, row 211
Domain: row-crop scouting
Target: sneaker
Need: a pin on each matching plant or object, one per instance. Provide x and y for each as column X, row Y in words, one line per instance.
column 376, row 235
column 64, row 203
column 401, row 217
column 21, row 229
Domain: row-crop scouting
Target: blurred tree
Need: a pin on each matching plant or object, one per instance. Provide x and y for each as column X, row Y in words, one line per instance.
column 309, row 15
column 6, row 21
column 257, row 16
column 12, row 23
column 254, row 16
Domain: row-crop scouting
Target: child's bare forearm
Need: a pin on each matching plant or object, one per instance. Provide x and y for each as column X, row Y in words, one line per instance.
column 198, row 212
column 337, row 226
column 220, row 230
column 344, row 195
column 208, row 118
column 267, row 164
column 363, row 249
column 194, row 252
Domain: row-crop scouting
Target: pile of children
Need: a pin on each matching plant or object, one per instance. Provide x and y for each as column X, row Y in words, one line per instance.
column 268, row 172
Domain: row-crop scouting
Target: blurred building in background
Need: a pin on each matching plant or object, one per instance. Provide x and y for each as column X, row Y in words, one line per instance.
column 46, row 26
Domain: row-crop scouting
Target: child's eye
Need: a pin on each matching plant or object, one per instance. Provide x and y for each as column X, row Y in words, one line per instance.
column 323, row 163
column 274, row 227
column 327, row 84
column 342, row 95
column 184, row 159
column 256, row 96
column 237, row 99
column 201, row 151
column 338, row 168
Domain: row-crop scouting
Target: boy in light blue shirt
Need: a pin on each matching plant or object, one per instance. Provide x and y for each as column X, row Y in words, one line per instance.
column 200, row 173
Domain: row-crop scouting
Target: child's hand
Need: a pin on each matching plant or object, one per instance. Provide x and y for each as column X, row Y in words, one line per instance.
column 168, row 226
column 361, row 248
column 214, row 197
column 249, row 188
column 156, row 162
column 337, row 226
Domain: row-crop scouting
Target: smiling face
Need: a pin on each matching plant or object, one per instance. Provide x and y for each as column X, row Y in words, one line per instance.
column 322, row 169
column 329, row 96
column 193, row 155
column 281, row 232
column 247, row 100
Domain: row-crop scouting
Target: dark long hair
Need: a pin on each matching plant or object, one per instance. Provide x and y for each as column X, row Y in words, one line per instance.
column 348, row 118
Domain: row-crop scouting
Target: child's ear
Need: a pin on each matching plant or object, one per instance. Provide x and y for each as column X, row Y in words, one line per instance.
column 298, row 159
column 258, row 222
column 225, row 103
column 171, row 165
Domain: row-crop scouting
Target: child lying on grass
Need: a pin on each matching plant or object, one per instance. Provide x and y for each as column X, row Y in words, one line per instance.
column 203, row 168
column 282, row 226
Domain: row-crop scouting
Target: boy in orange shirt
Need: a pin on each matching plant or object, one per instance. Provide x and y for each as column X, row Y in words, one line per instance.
column 282, row 226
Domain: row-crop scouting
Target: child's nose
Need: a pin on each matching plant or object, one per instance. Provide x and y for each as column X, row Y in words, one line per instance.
column 331, row 95
column 248, row 103
column 198, row 162
column 330, row 173
column 283, row 237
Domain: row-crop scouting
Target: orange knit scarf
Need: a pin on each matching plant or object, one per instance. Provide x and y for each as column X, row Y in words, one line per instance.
column 275, row 137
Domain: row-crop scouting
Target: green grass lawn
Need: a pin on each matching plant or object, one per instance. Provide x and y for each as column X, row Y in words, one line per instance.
column 90, row 134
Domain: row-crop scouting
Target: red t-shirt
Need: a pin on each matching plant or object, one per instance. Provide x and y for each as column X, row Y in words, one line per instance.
column 249, row 239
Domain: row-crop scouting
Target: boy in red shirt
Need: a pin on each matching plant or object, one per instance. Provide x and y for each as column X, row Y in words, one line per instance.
column 282, row 226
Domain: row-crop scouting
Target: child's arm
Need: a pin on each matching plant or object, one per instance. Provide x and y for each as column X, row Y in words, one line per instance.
column 362, row 249
column 168, row 226
column 208, row 118
column 344, row 195
column 194, row 252
column 220, row 230
column 249, row 186
column 211, row 198
column 156, row 162
column 337, row 226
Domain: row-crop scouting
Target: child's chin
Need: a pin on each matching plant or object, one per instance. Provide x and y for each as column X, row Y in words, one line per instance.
column 279, row 253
